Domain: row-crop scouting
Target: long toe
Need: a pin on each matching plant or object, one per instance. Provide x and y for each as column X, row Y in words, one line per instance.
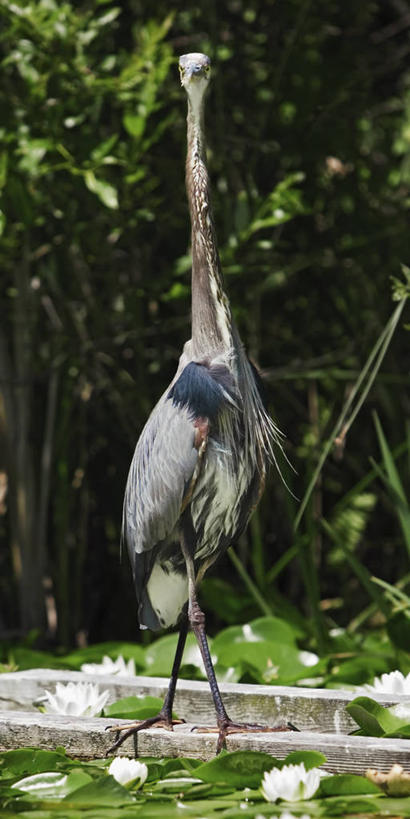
column 127, row 730
column 229, row 727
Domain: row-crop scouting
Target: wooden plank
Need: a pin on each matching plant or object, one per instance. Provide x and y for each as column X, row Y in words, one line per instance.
column 321, row 710
column 87, row 738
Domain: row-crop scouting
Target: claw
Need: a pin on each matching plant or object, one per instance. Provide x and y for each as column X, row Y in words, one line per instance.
column 125, row 731
column 229, row 727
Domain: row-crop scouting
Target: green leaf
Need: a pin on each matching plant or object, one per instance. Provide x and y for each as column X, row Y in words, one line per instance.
column 345, row 784
column 376, row 720
column 134, row 708
column 398, row 629
column 159, row 656
column 30, row 658
column 32, row 152
column 134, row 124
column 241, row 769
column 112, row 649
column 310, row 759
column 109, row 17
column 104, row 791
column 395, row 485
column 263, row 628
column 98, row 154
column 366, row 712
column 52, row 785
column 350, row 521
column 182, row 763
column 105, row 192
column 358, row 670
column 4, row 159
column 275, row 662
column 267, row 644
column 25, row 761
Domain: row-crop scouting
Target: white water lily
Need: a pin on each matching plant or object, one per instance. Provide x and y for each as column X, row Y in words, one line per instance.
column 401, row 711
column 108, row 666
column 291, row 783
column 126, row 770
column 393, row 683
column 76, row 700
column 308, row 658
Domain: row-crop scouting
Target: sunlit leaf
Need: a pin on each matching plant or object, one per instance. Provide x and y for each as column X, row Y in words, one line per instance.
column 52, row 785
column 105, row 192
column 103, row 791
column 134, row 124
column 376, row 720
column 159, row 656
column 345, row 784
column 240, row 768
column 134, row 708
column 310, row 759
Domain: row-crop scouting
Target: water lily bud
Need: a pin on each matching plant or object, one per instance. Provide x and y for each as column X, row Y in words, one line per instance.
column 126, row 770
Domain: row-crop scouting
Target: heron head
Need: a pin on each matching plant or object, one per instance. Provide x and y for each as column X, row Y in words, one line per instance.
column 195, row 70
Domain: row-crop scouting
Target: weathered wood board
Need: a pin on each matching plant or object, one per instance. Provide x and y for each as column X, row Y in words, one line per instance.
column 85, row 738
column 319, row 714
column 309, row 709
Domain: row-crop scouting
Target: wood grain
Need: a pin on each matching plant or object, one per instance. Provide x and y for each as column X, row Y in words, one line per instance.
column 87, row 738
column 321, row 710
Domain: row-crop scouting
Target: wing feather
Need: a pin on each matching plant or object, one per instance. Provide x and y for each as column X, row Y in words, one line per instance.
column 161, row 470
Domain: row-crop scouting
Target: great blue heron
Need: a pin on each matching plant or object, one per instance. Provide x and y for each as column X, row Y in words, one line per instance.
column 199, row 467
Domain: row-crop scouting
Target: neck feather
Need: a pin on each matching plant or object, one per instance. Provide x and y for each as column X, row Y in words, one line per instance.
column 211, row 315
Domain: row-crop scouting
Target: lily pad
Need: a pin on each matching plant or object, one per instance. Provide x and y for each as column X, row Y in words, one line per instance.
column 104, row 791
column 376, row 720
column 345, row 784
column 52, row 784
column 28, row 761
column 159, row 656
column 278, row 663
column 239, row 768
column 134, row 708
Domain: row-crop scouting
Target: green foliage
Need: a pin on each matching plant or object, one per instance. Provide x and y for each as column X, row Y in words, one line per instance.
column 95, row 653
column 267, row 650
column 378, row 721
column 134, row 708
column 240, row 768
column 228, row 786
column 309, row 159
column 394, row 485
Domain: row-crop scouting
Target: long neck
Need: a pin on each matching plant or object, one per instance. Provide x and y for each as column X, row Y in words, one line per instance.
column 211, row 315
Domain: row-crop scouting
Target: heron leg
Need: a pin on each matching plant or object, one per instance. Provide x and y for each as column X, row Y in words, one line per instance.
column 164, row 718
column 196, row 618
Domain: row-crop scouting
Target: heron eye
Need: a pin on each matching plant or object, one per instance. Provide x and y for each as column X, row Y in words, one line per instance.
column 207, row 68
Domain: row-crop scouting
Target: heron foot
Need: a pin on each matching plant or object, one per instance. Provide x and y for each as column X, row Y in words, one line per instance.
column 125, row 731
column 227, row 727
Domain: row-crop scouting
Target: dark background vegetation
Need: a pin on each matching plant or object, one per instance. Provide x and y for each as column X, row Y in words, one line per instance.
column 308, row 126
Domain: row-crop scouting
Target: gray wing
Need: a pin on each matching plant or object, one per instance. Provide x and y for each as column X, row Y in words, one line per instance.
column 161, row 470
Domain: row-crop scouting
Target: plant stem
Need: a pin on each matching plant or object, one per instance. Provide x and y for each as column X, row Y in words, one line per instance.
column 254, row 591
column 342, row 426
